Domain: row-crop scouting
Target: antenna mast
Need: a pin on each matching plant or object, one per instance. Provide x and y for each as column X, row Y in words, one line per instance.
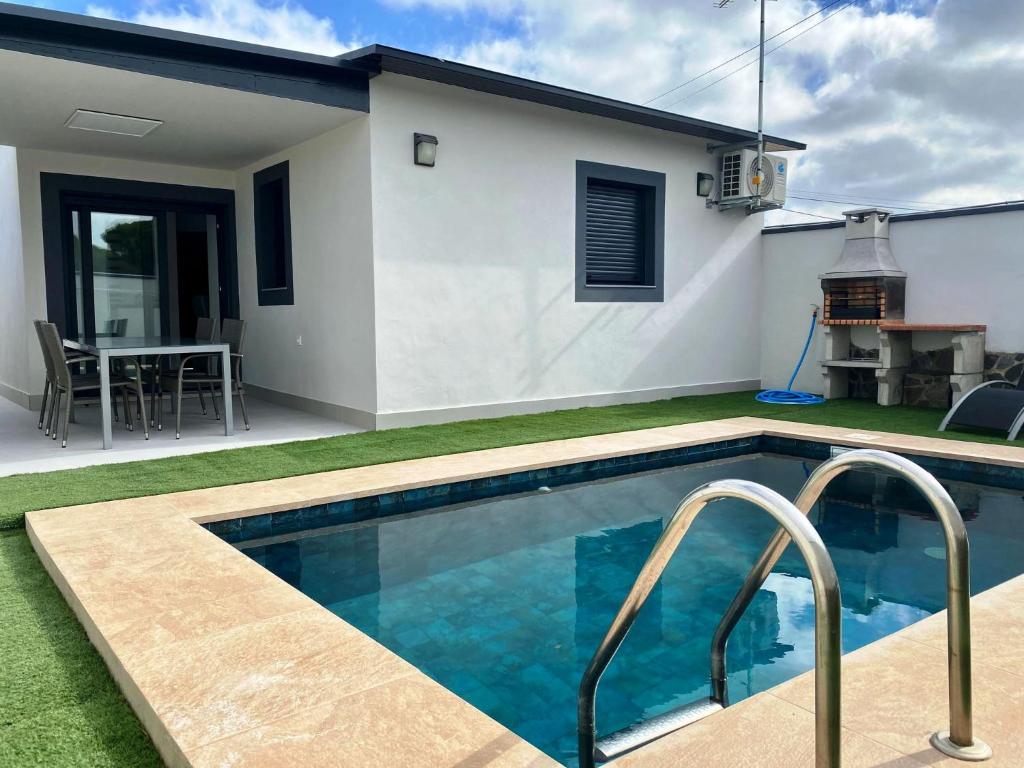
column 759, row 176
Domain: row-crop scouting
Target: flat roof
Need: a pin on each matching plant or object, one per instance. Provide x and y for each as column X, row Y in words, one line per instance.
column 340, row 81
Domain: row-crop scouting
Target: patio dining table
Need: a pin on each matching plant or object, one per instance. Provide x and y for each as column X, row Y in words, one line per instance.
column 106, row 347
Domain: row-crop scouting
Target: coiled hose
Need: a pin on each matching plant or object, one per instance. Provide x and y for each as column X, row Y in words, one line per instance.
column 787, row 396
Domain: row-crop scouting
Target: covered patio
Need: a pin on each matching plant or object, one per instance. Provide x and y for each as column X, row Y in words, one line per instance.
column 127, row 162
column 24, row 448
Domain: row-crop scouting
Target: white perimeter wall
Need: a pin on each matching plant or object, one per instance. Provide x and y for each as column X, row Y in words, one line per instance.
column 474, row 263
column 332, row 266
column 30, row 163
column 961, row 269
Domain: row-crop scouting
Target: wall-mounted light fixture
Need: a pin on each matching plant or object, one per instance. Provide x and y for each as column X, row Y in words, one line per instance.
column 705, row 184
column 424, row 149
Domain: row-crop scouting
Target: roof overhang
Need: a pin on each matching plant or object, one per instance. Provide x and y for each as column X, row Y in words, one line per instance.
column 339, row 82
column 200, row 125
column 181, row 56
column 381, row 58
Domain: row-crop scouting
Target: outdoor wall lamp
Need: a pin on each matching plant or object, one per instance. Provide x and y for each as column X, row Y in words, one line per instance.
column 424, row 149
column 705, row 184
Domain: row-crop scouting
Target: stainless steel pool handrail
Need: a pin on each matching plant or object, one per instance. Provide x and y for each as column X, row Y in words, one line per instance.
column 827, row 629
column 959, row 741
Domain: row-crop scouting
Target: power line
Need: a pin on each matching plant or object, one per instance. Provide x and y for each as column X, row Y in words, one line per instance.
column 850, row 202
column 815, row 215
column 744, row 53
column 767, row 53
column 875, row 199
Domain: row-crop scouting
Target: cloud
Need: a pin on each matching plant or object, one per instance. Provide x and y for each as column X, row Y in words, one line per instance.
column 898, row 100
column 911, row 101
column 282, row 25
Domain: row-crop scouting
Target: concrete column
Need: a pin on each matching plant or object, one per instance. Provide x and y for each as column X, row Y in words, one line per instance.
column 890, row 385
column 962, row 383
column 969, row 353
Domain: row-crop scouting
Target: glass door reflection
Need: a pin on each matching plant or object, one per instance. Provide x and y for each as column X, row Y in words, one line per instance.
column 117, row 269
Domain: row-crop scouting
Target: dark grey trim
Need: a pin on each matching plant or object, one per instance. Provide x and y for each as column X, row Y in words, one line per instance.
column 57, row 189
column 656, row 255
column 181, row 56
column 949, row 213
column 385, row 58
column 276, row 295
column 341, row 81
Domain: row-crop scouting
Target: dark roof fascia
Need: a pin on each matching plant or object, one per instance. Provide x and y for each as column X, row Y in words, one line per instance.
column 183, row 56
column 401, row 62
column 970, row 210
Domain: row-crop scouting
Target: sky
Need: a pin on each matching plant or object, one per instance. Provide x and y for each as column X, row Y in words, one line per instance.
column 906, row 104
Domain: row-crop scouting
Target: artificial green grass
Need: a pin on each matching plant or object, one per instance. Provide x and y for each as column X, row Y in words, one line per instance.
column 22, row 493
column 58, row 704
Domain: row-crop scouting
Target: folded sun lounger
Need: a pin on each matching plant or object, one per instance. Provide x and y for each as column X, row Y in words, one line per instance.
column 993, row 405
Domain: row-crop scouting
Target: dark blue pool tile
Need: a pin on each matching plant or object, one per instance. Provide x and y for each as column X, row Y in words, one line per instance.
column 416, row 499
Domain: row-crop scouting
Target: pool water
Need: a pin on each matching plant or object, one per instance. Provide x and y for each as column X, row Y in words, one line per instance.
column 503, row 601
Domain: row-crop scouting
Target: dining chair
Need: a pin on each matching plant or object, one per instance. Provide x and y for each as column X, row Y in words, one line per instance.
column 48, row 384
column 204, row 369
column 66, row 384
column 206, row 330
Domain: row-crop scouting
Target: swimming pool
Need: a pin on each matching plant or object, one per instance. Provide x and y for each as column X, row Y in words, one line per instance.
column 503, row 600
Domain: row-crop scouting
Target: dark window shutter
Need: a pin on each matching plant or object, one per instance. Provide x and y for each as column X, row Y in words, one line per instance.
column 615, row 236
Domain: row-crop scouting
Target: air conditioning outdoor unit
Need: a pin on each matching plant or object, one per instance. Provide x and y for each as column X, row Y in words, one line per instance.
column 739, row 167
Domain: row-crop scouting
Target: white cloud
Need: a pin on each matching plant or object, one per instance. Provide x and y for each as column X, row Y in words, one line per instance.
column 913, row 104
column 282, row 25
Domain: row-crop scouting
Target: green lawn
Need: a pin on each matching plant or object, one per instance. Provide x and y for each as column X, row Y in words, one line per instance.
column 58, row 706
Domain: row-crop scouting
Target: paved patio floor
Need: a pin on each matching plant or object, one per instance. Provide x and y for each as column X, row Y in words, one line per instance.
column 24, row 449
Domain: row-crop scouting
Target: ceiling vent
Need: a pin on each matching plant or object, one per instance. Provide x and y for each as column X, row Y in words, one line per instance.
column 104, row 122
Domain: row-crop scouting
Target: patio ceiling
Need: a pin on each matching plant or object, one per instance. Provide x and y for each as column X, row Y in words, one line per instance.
column 203, row 125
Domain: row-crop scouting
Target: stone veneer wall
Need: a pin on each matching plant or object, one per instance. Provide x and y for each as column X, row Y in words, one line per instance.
column 1008, row 366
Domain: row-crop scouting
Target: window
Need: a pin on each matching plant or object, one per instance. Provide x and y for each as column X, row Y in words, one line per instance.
column 620, row 233
column 272, row 216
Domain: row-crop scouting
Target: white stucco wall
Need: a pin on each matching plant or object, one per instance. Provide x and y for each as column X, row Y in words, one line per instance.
column 331, row 225
column 30, row 163
column 961, row 269
column 14, row 347
column 474, row 263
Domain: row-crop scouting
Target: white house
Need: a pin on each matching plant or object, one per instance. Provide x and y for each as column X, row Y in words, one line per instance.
column 556, row 253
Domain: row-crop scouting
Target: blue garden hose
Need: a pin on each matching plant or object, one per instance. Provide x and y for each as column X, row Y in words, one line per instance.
column 787, row 396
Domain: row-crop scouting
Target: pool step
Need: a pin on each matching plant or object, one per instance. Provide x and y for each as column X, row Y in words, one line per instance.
column 619, row 743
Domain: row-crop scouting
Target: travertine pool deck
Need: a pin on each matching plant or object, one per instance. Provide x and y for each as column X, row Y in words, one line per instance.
column 226, row 665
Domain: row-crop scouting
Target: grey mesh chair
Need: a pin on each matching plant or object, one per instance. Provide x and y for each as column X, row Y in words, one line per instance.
column 48, row 385
column 206, row 330
column 65, row 384
column 203, row 369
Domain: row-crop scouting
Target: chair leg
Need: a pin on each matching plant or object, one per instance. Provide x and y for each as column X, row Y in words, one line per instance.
column 202, row 400
column 213, row 398
column 42, row 408
column 67, row 418
column 55, row 416
column 152, row 392
column 241, row 401
column 160, row 404
column 129, row 423
column 50, row 410
column 142, row 402
column 177, row 415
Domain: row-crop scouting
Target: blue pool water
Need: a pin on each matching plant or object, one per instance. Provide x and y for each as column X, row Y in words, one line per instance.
column 503, row 601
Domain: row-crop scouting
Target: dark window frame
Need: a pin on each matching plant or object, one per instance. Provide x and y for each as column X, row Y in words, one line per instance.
column 272, row 295
column 60, row 191
column 652, row 184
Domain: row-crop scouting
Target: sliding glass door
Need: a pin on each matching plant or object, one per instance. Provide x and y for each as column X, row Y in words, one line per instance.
column 119, row 285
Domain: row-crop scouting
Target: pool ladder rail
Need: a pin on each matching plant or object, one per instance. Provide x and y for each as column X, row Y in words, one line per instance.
column 957, row 742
